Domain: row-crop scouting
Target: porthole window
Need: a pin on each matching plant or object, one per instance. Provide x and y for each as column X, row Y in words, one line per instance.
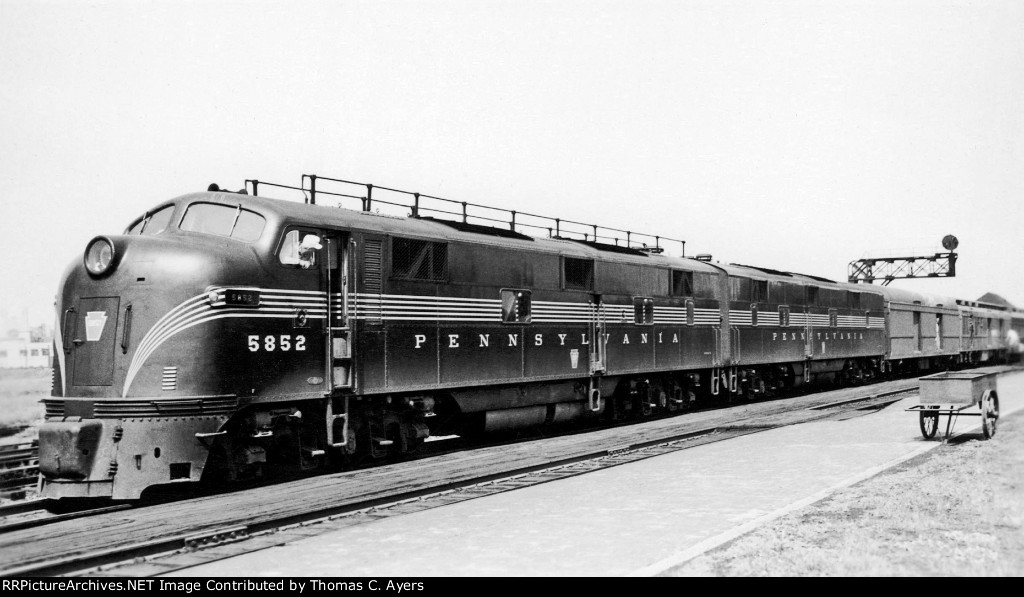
column 516, row 306
column 643, row 310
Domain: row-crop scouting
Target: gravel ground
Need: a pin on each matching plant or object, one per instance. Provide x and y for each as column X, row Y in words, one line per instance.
column 957, row 510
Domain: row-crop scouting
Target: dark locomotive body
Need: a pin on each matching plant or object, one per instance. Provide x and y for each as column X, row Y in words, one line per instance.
column 231, row 335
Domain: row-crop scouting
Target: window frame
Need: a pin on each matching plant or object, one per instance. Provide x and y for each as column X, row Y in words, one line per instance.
column 687, row 277
column 519, row 318
column 315, row 266
column 784, row 316
column 147, row 217
column 432, row 244
column 643, row 310
column 234, row 223
column 592, row 277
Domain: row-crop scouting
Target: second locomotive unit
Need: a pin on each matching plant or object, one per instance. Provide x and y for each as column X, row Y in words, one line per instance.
column 228, row 335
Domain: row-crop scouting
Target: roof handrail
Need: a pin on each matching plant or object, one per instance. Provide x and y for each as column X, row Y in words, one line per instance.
column 465, row 211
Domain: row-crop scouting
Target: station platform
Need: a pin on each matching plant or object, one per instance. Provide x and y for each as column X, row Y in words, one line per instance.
column 636, row 519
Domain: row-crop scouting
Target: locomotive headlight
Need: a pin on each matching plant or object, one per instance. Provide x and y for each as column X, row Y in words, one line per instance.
column 99, row 256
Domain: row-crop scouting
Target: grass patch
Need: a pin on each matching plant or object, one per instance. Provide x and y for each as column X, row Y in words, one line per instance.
column 957, row 510
column 20, row 393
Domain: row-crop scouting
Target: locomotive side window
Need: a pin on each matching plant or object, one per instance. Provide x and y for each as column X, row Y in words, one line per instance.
column 643, row 310
column 759, row 291
column 812, row 295
column 739, row 289
column 704, row 285
column 578, row 274
column 223, row 220
column 419, row 260
column 299, row 248
column 516, row 306
column 682, row 283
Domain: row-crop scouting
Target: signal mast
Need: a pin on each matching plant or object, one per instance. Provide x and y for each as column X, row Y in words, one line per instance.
column 887, row 269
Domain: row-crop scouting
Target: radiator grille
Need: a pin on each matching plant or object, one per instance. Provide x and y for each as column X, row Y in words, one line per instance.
column 54, row 408
column 372, row 263
column 178, row 407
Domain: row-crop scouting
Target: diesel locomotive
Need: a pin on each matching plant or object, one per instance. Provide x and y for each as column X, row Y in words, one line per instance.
column 230, row 335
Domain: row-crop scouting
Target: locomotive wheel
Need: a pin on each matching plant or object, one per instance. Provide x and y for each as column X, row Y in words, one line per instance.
column 645, row 404
column 671, row 403
column 929, row 424
column 989, row 414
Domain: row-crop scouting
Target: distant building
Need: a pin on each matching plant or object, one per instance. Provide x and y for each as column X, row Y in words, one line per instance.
column 26, row 350
column 995, row 299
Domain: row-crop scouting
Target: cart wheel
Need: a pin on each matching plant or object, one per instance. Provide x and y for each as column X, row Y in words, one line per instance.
column 929, row 424
column 989, row 413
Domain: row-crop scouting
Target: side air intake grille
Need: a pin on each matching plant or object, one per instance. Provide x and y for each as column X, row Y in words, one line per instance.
column 372, row 261
column 184, row 407
column 54, row 408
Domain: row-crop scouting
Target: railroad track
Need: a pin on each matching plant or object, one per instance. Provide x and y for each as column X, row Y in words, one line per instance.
column 29, row 514
column 26, row 514
column 277, row 514
column 19, row 468
column 189, row 532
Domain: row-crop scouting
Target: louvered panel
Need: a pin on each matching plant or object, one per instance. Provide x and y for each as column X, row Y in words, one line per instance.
column 372, row 275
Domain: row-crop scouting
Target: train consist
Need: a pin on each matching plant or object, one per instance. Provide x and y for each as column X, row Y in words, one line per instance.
column 229, row 335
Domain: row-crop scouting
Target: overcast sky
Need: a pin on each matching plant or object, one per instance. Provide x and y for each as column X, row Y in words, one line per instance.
column 794, row 135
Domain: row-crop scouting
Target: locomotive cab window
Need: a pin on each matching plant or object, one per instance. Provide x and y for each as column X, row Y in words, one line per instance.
column 223, row 220
column 152, row 223
column 516, row 306
column 300, row 248
column 643, row 310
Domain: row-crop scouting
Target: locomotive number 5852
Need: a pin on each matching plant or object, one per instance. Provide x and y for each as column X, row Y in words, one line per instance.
column 272, row 343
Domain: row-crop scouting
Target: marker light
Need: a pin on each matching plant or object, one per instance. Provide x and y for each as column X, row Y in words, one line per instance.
column 99, row 255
